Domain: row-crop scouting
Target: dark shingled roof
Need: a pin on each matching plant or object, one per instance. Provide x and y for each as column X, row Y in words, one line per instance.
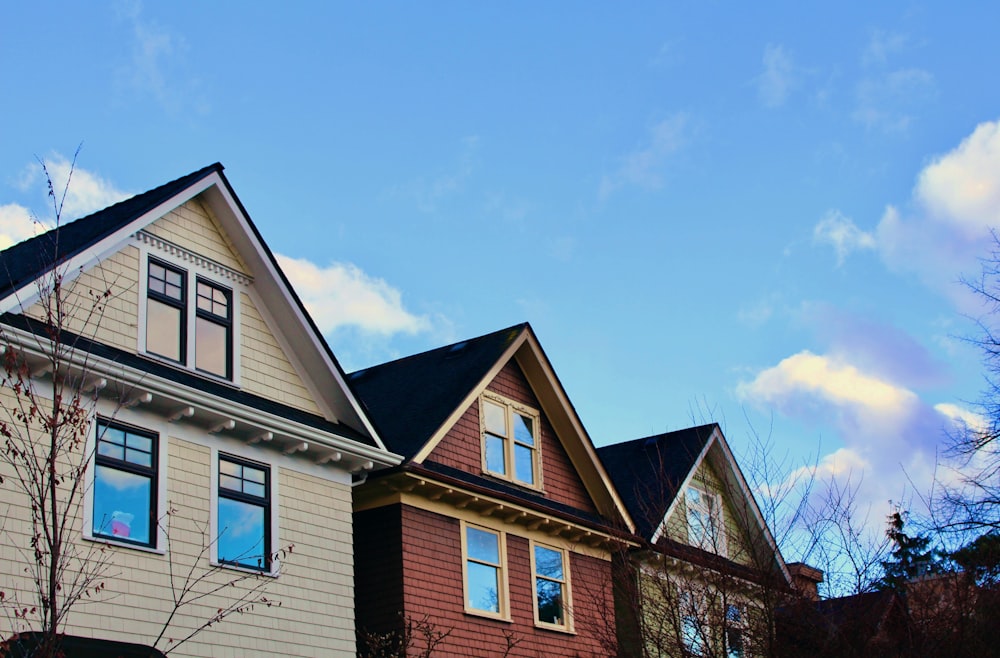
column 409, row 399
column 28, row 260
column 648, row 472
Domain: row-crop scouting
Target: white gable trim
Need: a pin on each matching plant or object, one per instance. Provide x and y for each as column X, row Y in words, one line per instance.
column 322, row 374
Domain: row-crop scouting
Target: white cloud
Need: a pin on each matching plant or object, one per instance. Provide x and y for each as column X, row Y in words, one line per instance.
column 16, row 224
column 842, row 234
column 889, row 436
column 157, row 56
column 85, row 193
column 956, row 201
column 644, row 166
column 341, row 295
column 962, row 188
column 886, row 101
column 963, row 417
column 775, row 82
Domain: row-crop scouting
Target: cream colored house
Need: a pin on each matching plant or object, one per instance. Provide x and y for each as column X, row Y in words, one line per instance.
column 707, row 575
column 223, row 439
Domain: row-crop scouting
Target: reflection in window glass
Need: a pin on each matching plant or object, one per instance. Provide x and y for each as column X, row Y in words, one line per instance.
column 211, row 347
column 483, row 570
column 163, row 329
column 496, row 460
column 243, row 514
column 124, row 485
column 550, row 585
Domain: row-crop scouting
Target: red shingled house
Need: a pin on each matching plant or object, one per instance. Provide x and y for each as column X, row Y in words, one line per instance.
column 499, row 526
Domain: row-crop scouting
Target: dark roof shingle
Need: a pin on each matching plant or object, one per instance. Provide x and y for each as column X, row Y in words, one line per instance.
column 648, row 472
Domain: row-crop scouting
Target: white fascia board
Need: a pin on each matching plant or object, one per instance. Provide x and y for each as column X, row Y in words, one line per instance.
column 27, row 294
column 272, row 289
column 662, row 527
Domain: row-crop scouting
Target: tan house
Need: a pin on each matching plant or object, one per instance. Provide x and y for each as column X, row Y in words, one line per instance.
column 222, row 439
column 707, row 575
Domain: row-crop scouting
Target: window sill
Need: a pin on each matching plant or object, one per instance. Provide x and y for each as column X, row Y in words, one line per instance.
column 514, row 483
column 273, row 573
column 177, row 365
column 487, row 615
column 124, row 544
column 556, row 629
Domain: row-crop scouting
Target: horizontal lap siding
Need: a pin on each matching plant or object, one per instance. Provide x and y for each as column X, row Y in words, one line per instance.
column 462, row 446
column 315, row 590
column 432, row 564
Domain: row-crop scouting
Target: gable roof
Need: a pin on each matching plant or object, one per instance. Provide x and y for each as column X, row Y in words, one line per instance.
column 649, row 472
column 412, row 397
column 82, row 243
column 416, row 400
column 26, row 261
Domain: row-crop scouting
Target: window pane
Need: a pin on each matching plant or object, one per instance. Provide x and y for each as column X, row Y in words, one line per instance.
column 163, row 329
column 230, row 468
column 211, row 347
column 550, row 601
column 230, row 482
column 253, row 474
column 482, row 545
column 483, row 587
column 495, row 418
column 548, row 563
column 122, row 504
column 110, row 450
column 254, row 489
column 241, row 533
column 138, row 457
column 138, row 442
column 496, row 461
column 524, row 464
column 524, row 431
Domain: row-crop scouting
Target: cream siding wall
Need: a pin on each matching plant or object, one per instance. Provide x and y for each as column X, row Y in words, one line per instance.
column 114, row 320
column 266, row 370
column 193, row 227
column 315, row 588
column 736, row 525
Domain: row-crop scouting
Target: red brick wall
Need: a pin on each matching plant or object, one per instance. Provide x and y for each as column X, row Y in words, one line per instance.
column 461, row 448
column 432, row 564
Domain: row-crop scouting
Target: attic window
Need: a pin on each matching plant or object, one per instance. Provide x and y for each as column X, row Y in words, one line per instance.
column 511, row 440
column 704, row 520
column 189, row 320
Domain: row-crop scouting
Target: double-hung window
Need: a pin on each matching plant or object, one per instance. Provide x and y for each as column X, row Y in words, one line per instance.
column 735, row 631
column 550, row 572
column 704, row 520
column 243, row 530
column 485, row 571
column 166, row 312
column 214, row 330
column 170, row 320
column 510, row 440
column 124, row 488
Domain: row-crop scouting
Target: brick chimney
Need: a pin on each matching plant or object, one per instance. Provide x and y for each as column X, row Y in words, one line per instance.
column 806, row 579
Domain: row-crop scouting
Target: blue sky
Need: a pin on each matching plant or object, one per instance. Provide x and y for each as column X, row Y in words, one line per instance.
column 707, row 211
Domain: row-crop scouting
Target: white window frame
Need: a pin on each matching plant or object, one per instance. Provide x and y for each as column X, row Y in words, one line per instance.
column 213, row 519
column 567, row 604
column 160, row 545
column 193, row 273
column 503, row 591
column 509, row 443
column 714, row 537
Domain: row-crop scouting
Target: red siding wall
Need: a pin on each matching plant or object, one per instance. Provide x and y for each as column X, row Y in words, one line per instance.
column 432, row 562
column 461, row 448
